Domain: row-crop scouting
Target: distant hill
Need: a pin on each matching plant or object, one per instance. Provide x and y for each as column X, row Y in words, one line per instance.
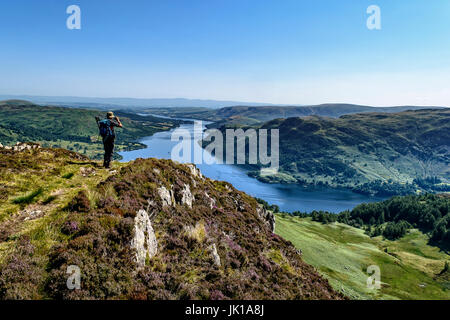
column 376, row 153
column 74, row 129
column 16, row 103
column 267, row 113
column 132, row 103
column 251, row 115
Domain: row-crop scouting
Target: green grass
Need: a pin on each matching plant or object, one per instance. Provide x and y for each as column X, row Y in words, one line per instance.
column 49, row 199
column 27, row 199
column 37, row 183
column 68, row 175
column 343, row 253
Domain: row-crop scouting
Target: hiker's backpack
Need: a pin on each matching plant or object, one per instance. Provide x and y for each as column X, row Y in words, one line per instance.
column 104, row 127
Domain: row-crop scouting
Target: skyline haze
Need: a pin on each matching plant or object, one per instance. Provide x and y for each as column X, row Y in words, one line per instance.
column 291, row 52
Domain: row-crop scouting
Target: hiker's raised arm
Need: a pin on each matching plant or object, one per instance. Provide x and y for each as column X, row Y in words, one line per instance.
column 118, row 122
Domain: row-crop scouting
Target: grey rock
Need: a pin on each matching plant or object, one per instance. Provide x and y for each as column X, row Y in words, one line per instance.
column 186, row 196
column 267, row 217
column 212, row 202
column 21, row 146
column 166, row 196
column 144, row 240
column 195, row 171
column 86, row 172
column 33, row 214
column 215, row 255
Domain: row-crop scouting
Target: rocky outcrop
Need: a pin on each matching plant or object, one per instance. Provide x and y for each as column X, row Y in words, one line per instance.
column 186, row 196
column 166, row 196
column 144, row 240
column 267, row 217
column 207, row 242
column 215, row 255
column 86, row 172
column 195, row 172
column 21, row 146
column 212, row 202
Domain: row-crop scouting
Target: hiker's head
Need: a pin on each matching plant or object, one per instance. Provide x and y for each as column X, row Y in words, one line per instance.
column 110, row 115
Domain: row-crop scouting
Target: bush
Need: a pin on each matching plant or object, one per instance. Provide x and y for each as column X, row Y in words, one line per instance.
column 396, row 230
column 80, row 203
column 68, row 175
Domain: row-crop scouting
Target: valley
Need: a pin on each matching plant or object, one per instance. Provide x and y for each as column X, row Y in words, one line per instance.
column 72, row 128
column 379, row 154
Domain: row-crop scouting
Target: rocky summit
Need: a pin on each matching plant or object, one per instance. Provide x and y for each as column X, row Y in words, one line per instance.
column 149, row 229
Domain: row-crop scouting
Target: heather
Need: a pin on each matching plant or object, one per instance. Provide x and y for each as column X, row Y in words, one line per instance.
column 212, row 240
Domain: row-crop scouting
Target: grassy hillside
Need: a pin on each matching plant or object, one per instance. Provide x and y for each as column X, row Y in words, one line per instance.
column 393, row 218
column 73, row 129
column 410, row 268
column 377, row 153
column 249, row 115
column 201, row 239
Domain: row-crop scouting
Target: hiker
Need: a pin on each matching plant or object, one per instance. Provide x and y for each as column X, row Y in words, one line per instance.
column 106, row 128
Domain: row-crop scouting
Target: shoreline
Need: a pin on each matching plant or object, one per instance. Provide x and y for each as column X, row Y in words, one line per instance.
column 289, row 198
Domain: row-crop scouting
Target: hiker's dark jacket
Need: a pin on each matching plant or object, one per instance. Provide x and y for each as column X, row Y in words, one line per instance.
column 113, row 123
column 108, row 142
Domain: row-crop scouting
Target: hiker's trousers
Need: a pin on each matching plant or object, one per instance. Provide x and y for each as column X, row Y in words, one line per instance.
column 108, row 144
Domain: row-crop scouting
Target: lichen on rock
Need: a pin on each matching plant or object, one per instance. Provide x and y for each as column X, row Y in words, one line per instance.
column 166, row 196
column 211, row 201
column 144, row 240
column 267, row 216
column 195, row 172
column 215, row 255
column 187, row 197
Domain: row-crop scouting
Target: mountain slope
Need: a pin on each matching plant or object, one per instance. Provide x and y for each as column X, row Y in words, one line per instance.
column 150, row 229
column 237, row 116
column 379, row 153
column 410, row 268
column 267, row 113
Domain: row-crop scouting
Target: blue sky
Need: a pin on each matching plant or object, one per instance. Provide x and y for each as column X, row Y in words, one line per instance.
column 277, row 51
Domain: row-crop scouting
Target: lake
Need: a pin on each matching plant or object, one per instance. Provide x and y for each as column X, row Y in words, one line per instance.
column 288, row 197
